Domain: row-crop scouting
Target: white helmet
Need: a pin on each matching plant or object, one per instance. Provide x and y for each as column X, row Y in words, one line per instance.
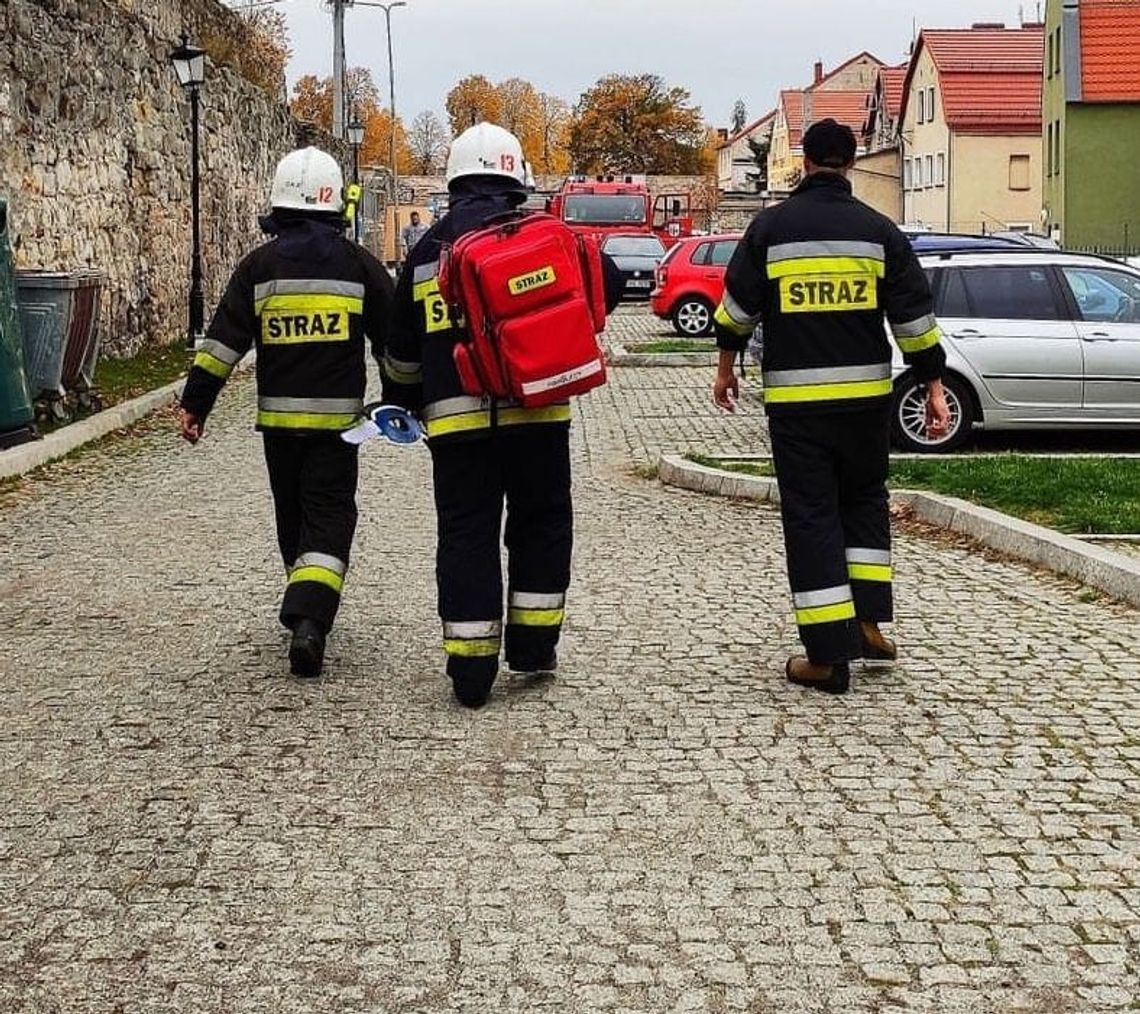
column 486, row 150
column 308, row 180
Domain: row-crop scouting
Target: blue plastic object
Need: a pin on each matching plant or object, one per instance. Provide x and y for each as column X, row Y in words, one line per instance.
column 397, row 424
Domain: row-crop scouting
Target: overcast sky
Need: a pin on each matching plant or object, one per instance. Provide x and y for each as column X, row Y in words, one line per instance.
column 718, row 49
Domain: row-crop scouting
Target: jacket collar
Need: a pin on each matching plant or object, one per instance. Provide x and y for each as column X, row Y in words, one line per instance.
column 824, row 181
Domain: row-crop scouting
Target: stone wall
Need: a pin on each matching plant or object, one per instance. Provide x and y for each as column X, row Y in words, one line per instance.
column 95, row 153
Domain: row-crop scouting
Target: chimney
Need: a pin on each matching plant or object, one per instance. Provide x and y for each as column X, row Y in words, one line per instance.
column 818, row 72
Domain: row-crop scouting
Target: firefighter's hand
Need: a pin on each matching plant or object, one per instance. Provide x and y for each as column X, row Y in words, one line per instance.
column 726, row 390
column 937, row 411
column 190, row 426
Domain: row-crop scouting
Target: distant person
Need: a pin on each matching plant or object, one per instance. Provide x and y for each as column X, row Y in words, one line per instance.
column 413, row 232
column 307, row 300
column 821, row 271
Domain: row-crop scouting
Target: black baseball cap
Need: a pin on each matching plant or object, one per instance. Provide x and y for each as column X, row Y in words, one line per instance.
column 830, row 144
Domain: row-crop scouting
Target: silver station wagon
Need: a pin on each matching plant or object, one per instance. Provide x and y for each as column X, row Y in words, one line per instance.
column 1034, row 340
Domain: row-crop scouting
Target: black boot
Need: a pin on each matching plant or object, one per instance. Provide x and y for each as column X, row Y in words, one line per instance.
column 472, row 679
column 307, row 650
column 531, row 666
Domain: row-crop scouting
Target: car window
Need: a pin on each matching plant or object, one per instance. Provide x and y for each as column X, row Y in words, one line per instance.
column 1011, row 292
column 672, row 252
column 722, row 252
column 953, row 302
column 701, row 254
column 1105, row 295
column 634, row 246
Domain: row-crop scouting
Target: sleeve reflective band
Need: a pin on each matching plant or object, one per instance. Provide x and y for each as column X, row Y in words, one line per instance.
column 916, row 335
column 400, row 371
column 212, row 365
column 733, row 317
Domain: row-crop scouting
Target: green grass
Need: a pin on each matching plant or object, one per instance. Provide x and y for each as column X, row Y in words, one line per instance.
column 667, row 346
column 1077, row 495
column 118, row 380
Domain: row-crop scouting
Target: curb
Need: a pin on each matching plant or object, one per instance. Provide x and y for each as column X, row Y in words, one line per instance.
column 618, row 356
column 1114, row 574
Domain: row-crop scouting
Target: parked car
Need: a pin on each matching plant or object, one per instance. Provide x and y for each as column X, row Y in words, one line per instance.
column 690, row 282
column 636, row 256
column 1035, row 339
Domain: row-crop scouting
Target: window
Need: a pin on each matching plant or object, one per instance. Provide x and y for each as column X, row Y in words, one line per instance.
column 940, row 169
column 1049, row 143
column 1057, row 147
column 701, row 254
column 1057, row 51
column 1019, row 292
column 952, row 299
column 930, row 103
column 722, row 252
column 1018, row 172
column 928, row 172
column 908, row 174
column 1104, row 295
column 918, row 173
column 921, row 105
column 1052, row 51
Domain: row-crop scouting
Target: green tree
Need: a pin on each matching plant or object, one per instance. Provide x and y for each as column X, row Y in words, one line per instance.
column 637, row 124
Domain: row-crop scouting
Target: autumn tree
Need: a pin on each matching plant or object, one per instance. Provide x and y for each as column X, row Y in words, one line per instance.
column 637, row 124
column 313, row 97
column 471, row 101
column 256, row 46
column 428, row 142
column 552, row 155
column 377, row 138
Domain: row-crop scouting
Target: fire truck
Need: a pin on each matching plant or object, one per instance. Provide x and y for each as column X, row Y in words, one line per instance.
column 601, row 205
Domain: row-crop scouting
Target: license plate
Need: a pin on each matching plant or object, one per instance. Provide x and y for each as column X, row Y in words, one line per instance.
column 646, row 284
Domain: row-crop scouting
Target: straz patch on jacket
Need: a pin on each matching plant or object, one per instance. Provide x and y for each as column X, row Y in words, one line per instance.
column 539, row 279
column 285, row 328
column 828, row 293
column 294, row 317
column 436, row 317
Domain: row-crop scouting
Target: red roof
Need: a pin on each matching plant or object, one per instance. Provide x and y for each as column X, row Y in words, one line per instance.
column 845, row 107
column 990, row 78
column 893, row 80
column 1110, row 50
column 792, row 102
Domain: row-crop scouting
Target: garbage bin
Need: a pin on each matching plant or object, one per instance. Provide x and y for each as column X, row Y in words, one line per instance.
column 16, row 413
column 46, row 300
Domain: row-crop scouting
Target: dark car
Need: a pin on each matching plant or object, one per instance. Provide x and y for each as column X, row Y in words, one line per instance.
column 953, row 242
column 636, row 256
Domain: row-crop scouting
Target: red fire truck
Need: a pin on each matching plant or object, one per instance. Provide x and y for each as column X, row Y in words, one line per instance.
column 607, row 204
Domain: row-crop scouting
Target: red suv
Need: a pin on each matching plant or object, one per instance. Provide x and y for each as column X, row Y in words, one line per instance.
column 690, row 282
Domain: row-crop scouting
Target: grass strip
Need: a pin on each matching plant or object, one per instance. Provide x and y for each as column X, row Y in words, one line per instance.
column 1076, row 495
column 119, row 380
column 667, row 346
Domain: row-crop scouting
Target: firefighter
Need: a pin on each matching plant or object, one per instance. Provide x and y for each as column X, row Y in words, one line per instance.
column 821, row 271
column 485, row 451
column 305, row 300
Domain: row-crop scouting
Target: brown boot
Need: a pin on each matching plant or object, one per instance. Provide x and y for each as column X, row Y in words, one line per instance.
column 830, row 679
column 876, row 647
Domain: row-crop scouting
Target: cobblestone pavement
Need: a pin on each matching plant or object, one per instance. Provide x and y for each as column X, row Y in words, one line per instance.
column 666, row 826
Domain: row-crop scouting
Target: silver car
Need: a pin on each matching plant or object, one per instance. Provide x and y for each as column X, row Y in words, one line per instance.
column 1034, row 340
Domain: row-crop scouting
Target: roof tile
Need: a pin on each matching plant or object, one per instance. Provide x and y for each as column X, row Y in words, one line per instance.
column 1110, row 50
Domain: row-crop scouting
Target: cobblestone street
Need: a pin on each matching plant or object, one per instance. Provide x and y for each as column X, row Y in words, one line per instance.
column 665, row 826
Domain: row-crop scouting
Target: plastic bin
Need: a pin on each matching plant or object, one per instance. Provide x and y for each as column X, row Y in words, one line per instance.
column 16, row 412
column 81, row 348
column 45, row 299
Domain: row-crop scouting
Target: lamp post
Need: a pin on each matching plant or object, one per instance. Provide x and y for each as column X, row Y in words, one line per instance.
column 190, row 66
column 356, row 139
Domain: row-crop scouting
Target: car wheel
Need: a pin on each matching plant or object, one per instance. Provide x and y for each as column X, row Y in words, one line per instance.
column 908, row 420
column 693, row 317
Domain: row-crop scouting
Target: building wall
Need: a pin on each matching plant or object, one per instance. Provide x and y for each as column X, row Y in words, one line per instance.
column 876, row 181
column 1101, row 147
column 982, row 200
column 1053, row 115
column 95, row 153
column 785, row 163
column 859, row 76
column 925, row 204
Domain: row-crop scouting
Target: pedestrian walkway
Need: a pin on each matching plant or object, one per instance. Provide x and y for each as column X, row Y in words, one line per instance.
column 666, row 826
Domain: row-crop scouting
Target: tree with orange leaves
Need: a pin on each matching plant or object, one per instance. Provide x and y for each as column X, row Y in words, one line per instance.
column 473, row 100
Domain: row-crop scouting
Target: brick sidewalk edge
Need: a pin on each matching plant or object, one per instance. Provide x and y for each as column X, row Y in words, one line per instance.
column 1112, row 573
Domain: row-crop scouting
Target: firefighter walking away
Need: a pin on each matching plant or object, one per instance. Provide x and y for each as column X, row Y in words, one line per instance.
column 488, row 450
column 306, row 300
column 821, row 271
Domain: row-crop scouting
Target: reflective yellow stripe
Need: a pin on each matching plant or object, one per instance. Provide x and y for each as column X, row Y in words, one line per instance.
column 828, row 266
column 536, row 617
column 483, row 648
column 304, row 421
column 923, row 341
column 318, row 575
column 213, row 365
column 825, row 614
column 725, row 320
column 520, row 416
column 466, row 421
column 421, row 290
column 458, row 423
column 869, row 572
column 827, row 392
column 298, row 303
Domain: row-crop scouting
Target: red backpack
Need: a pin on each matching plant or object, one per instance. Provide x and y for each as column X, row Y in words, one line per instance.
column 532, row 295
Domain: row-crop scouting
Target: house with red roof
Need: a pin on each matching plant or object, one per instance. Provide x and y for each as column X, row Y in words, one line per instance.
column 1091, row 111
column 877, row 176
column 840, row 94
column 736, row 157
column 970, row 129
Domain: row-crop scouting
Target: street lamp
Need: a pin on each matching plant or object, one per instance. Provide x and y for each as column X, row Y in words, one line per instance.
column 387, row 9
column 190, row 66
column 356, row 139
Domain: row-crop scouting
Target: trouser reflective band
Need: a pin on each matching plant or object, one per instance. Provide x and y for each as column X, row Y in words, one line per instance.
column 869, row 565
column 831, row 383
column 536, row 610
column 320, row 568
column 473, row 639
column 827, row 605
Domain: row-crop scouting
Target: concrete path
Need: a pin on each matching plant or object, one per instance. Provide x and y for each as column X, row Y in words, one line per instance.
column 666, row 826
